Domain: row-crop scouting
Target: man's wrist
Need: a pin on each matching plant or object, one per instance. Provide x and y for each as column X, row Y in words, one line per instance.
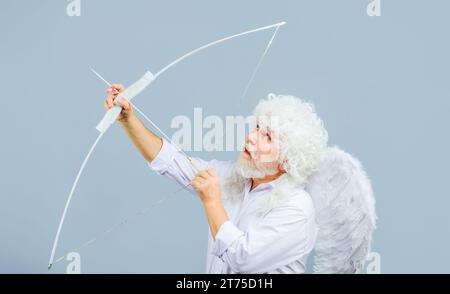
column 212, row 204
column 128, row 122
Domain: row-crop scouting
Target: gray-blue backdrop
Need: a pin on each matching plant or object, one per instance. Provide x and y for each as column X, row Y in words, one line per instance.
column 381, row 84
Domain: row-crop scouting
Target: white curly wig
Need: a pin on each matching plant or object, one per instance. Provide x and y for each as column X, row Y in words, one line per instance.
column 302, row 140
column 301, row 134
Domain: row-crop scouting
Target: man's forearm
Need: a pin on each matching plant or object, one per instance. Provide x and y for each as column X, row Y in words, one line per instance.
column 147, row 143
column 216, row 214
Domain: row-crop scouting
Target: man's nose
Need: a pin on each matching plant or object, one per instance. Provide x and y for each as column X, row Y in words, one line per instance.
column 252, row 137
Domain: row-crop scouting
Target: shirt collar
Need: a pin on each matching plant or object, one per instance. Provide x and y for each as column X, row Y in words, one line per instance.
column 264, row 186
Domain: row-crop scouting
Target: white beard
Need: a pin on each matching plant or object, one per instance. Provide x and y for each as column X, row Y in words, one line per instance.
column 248, row 168
column 244, row 169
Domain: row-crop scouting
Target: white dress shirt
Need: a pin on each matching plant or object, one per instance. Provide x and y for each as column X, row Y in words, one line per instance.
column 277, row 241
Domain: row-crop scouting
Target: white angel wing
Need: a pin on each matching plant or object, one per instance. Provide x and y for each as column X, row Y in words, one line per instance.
column 345, row 213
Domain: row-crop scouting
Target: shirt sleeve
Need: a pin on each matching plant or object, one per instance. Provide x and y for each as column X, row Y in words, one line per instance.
column 173, row 164
column 284, row 235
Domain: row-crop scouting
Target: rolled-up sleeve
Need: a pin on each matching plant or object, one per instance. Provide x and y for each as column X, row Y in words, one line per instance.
column 284, row 235
column 165, row 156
column 175, row 165
column 171, row 163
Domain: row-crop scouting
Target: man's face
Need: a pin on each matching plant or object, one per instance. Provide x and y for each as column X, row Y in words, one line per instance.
column 259, row 157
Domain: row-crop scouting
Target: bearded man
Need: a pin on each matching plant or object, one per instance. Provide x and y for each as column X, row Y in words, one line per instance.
column 261, row 218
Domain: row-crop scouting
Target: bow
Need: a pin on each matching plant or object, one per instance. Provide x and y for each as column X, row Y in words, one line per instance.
column 129, row 93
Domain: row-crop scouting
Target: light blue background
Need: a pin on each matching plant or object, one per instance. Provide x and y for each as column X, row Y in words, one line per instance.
column 381, row 84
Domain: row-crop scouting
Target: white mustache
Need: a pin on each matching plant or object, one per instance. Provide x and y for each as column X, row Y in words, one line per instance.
column 249, row 150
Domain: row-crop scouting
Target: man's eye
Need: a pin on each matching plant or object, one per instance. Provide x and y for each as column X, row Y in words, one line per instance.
column 257, row 126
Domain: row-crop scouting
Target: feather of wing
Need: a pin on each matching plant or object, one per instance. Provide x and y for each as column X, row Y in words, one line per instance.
column 345, row 213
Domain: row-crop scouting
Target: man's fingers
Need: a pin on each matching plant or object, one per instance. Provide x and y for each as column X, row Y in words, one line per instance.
column 113, row 91
column 200, row 180
column 118, row 87
column 211, row 172
column 109, row 100
column 203, row 174
column 196, row 184
column 122, row 103
column 197, row 181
